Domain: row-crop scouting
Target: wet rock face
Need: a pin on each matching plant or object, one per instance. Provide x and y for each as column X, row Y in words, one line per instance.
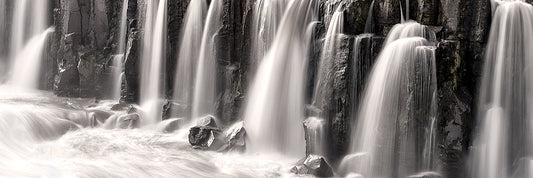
column 313, row 165
column 82, row 31
column 355, row 16
column 130, row 83
column 387, row 13
column 457, row 76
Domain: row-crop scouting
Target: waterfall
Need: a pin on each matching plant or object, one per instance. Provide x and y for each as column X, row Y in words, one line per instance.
column 369, row 24
column 28, row 38
column 118, row 59
column 266, row 19
column 325, row 74
column 189, row 52
column 329, row 51
column 3, row 21
column 410, row 29
column 153, row 57
column 503, row 145
column 27, row 63
column 394, row 116
column 204, row 100
column 275, row 107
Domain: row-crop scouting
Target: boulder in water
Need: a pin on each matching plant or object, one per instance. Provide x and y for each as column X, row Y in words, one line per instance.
column 120, row 107
column 206, row 138
column 235, row 138
column 208, row 121
column 315, row 165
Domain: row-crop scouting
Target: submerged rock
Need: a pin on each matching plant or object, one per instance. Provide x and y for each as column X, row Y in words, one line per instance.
column 314, row 165
column 129, row 121
column 170, row 125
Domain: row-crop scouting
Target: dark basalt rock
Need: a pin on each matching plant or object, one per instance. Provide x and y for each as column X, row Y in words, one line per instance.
column 206, row 138
column 355, row 16
column 457, row 76
column 314, row 165
column 130, row 84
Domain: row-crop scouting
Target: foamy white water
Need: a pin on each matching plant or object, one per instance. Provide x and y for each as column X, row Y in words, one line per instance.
column 26, row 66
column 275, row 106
column 189, row 52
column 153, row 60
column 46, row 136
column 206, row 72
column 503, row 143
column 402, row 82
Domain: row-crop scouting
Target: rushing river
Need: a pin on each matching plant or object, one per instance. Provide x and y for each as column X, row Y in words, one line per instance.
column 48, row 136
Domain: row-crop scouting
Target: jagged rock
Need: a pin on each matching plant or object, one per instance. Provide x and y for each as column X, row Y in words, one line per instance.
column 314, row 165
column 67, row 80
column 355, row 16
column 206, row 138
column 130, row 84
column 208, row 121
column 235, row 138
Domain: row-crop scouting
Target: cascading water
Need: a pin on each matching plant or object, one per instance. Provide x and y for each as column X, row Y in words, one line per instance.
column 44, row 135
column 265, row 25
column 188, row 55
column 118, row 59
column 275, row 106
column 394, row 116
column 503, row 147
column 26, row 56
column 369, row 25
column 204, row 100
column 27, row 64
column 325, row 76
column 153, row 57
